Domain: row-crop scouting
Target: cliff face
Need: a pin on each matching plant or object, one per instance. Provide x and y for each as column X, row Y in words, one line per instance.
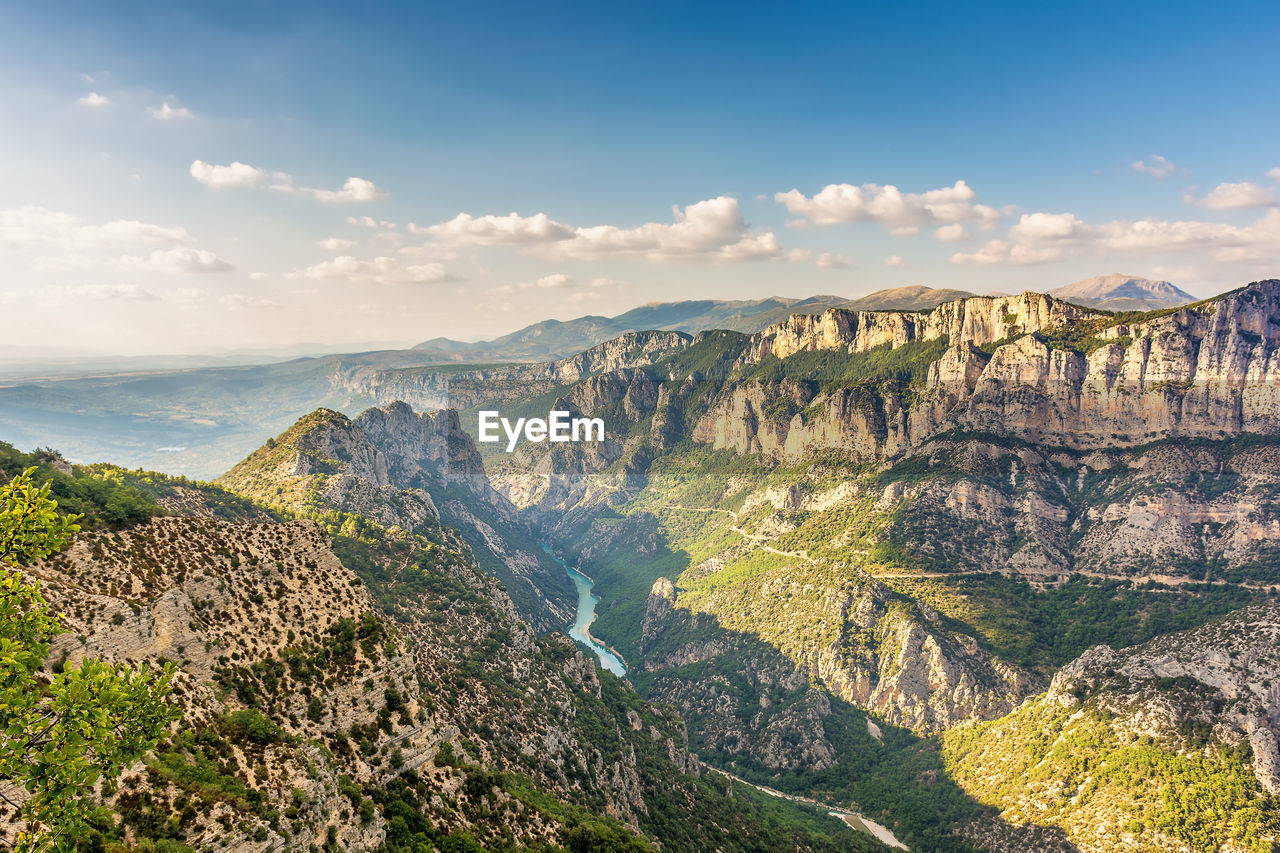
column 421, row 447
column 1227, row 675
column 1029, row 368
column 635, row 349
column 1208, row 370
column 407, row 470
column 792, row 627
column 976, row 320
column 851, row 421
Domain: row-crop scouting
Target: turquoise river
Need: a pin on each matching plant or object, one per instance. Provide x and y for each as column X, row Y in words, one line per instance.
column 581, row 628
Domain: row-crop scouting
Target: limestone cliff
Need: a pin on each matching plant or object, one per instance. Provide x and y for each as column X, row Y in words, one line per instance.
column 219, row 599
column 976, row 320
column 1055, row 374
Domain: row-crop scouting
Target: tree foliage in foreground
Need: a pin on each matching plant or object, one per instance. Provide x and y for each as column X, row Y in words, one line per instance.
column 59, row 734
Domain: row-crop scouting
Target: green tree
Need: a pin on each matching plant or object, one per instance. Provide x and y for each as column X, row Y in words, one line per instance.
column 59, row 733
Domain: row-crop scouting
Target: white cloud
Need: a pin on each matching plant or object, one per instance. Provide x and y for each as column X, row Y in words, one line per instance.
column 901, row 212
column 335, row 244
column 894, row 261
column 951, row 233
column 1159, row 168
column 125, row 231
column 243, row 176
column 1041, row 237
column 1002, row 252
column 377, row 271
column 101, row 293
column 1239, row 196
column 712, row 230
column 600, row 283
column 25, row 227
column 182, row 259
column 93, row 99
column 170, row 111
column 1242, row 255
column 490, row 230
column 355, row 189
column 1155, row 235
column 555, row 280
column 1274, row 174
column 239, row 175
column 829, row 261
column 1033, row 227
column 370, row 222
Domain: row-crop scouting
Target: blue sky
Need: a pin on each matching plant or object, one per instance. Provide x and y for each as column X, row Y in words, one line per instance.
column 1089, row 139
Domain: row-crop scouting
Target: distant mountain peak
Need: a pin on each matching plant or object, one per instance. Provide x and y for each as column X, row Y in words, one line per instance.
column 1120, row 292
column 910, row 297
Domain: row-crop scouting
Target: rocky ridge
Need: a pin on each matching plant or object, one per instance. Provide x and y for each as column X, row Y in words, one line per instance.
column 404, row 469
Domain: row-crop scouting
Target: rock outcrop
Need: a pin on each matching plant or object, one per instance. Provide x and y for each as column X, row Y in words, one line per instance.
column 408, row 470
